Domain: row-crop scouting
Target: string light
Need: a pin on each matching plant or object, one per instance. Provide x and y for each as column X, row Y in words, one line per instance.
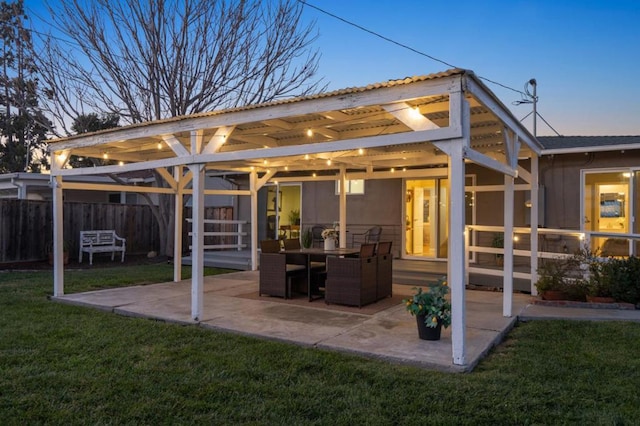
column 328, row 162
column 120, row 163
column 159, row 146
column 393, row 170
column 105, row 156
column 286, row 168
column 361, row 151
column 306, row 156
column 309, row 133
column 314, row 174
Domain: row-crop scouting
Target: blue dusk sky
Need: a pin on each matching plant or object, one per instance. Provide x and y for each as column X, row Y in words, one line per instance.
column 584, row 54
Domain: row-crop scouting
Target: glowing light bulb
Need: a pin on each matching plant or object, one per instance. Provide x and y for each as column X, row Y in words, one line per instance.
column 306, row 156
column 120, row 163
column 159, row 146
column 361, row 151
column 309, row 133
column 105, row 155
column 329, row 162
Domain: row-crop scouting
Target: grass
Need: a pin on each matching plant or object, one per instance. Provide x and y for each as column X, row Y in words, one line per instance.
column 62, row 364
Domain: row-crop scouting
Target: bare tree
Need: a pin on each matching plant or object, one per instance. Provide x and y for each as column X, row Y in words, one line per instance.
column 152, row 59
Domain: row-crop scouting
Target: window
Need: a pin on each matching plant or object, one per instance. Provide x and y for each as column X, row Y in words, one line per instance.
column 355, row 186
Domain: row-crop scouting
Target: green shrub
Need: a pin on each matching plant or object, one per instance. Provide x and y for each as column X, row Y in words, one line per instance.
column 622, row 276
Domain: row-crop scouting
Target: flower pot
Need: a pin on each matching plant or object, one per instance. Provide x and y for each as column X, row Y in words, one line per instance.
column 65, row 258
column 553, row 295
column 329, row 244
column 428, row 333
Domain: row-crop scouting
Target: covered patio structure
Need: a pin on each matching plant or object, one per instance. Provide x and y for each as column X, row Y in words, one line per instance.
column 409, row 126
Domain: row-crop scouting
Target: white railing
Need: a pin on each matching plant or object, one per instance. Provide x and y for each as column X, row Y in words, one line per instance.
column 239, row 233
column 582, row 239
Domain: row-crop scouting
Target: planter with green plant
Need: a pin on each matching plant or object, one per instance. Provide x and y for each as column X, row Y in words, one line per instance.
column 307, row 238
column 431, row 309
column 563, row 279
column 65, row 252
column 498, row 242
column 294, row 217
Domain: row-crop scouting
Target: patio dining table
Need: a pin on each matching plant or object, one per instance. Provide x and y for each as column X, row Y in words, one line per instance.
column 319, row 252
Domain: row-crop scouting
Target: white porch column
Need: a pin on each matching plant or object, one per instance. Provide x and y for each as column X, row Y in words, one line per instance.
column 58, row 245
column 456, row 265
column 197, row 242
column 507, row 295
column 253, row 184
column 177, row 229
column 534, row 219
column 343, row 207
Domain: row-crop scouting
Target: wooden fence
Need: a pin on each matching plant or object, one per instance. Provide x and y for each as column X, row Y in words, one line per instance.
column 26, row 226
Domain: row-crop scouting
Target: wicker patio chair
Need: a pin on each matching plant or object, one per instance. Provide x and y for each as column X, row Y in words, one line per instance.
column 317, row 264
column 384, row 271
column 352, row 281
column 316, row 235
column 372, row 235
column 276, row 274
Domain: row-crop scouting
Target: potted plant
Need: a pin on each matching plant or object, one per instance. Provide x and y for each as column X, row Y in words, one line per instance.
column 65, row 252
column 498, row 242
column 330, row 236
column 431, row 309
column 294, row 217
column 307, row 238
column 563, row 279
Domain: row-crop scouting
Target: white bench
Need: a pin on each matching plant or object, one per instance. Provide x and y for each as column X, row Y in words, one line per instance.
column 101, row 242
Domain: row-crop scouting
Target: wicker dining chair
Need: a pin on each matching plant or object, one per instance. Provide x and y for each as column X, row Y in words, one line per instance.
column 317, row 264
column 384, row 270
column 372, row 235
column 276, row 274
column 352, row 280
column 316, row 235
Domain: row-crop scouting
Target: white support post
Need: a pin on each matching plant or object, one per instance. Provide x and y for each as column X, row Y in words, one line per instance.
column 456, row 265
column 58, row 239
column 343, row 207
column 197, row 242
column 177, row 228
column 467, row 239
column 239, row 240
column 507, row 295
column 534, row 223
column 253, row 188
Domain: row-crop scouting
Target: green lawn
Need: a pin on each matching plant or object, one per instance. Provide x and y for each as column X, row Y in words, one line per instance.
column 62, row 364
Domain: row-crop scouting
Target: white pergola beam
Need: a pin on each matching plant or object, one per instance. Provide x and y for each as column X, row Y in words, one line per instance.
column 175, row 145
column 167, row 177
column 218, row 139
column 267, row 153
column 116, row 187
column 489, row 162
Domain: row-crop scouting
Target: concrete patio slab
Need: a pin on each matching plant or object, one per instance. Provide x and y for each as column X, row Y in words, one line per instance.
column 389, row 334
